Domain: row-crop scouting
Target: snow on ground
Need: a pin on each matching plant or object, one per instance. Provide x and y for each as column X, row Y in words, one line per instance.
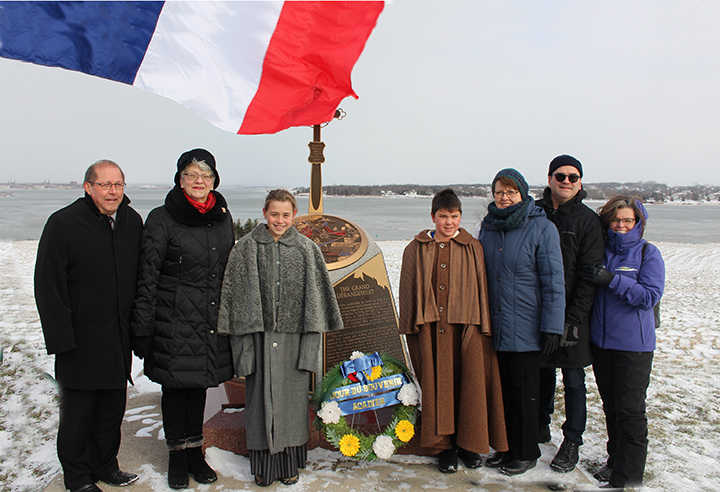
column 28, row 401
column 683, row 399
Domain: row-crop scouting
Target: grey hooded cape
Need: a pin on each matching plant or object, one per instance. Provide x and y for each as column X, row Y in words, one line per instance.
column 277, row 339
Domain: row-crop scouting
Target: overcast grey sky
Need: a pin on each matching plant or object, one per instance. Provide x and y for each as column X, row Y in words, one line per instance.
column 450, row 92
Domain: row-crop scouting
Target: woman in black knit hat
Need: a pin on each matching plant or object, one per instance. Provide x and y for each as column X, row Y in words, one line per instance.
column 527, row 308
column 185, row 246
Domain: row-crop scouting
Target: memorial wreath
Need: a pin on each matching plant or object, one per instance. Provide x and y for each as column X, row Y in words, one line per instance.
column 363, row 383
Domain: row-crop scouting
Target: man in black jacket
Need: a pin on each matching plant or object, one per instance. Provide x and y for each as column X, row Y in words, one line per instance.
column 582, row 243
column 85, row 279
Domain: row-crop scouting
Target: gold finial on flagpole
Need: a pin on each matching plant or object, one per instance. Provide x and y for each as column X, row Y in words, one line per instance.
column 315, row 204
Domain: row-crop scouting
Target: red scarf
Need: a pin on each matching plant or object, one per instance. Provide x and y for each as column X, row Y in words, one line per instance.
column 202, row 207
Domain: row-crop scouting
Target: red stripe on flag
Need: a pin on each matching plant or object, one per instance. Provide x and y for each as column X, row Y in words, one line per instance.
column 306, row 72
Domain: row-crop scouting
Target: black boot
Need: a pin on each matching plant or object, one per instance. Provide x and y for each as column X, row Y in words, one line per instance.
column 471, row 460
column 448, row 461
column 603, row 474
column 566, row 458
column 177, row 465
column 518, row 467
column 544, row 434
column 499, row 459
column 202, row 473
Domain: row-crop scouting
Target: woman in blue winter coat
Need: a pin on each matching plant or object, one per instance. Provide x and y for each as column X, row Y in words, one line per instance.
column 527, row 308
column 622, row 332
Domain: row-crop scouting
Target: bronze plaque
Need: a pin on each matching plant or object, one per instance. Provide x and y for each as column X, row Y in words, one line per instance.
column 368, row 313
column 341, row 242
column 316, row 152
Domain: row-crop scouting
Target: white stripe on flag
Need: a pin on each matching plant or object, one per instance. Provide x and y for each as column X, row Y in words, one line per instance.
column 209, row 56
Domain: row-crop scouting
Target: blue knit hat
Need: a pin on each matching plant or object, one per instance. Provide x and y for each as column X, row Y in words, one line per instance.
column 516, row 177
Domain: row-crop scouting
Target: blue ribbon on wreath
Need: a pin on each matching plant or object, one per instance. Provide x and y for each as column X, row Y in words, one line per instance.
column 357, row 367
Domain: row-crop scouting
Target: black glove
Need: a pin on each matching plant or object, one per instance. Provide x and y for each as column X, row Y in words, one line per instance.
column 550, row 343
column 597, row 275
column 141, row 346
column 570, row 336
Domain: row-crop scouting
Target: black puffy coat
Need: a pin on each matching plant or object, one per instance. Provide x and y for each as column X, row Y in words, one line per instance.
column 85, row 279
column 582, row 243
column 181, row 272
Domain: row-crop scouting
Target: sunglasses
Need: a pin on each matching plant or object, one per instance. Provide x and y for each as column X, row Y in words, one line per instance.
column 560, row 177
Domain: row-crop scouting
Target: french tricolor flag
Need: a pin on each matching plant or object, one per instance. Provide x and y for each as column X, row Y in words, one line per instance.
column 247, row 67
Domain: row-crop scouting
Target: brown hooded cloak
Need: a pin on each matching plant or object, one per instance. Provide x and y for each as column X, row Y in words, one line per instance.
column 444, row 314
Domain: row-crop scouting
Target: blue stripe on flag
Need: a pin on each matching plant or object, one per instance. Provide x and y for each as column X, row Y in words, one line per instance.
column 107, row 39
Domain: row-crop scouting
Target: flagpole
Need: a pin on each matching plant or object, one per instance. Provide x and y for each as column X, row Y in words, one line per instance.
column 315, row 204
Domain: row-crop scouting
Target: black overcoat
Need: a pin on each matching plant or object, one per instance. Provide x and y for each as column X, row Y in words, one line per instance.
column 85, row 277
column 583, row 243
column 183, row 262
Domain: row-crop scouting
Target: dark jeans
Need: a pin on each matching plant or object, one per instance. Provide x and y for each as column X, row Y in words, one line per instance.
column 575, row 400
column 183, row 410
column 623, row 379
column 519, row 379
column 88, row 437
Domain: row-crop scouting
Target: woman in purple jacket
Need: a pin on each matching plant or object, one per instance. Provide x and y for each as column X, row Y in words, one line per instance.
column 622, row 332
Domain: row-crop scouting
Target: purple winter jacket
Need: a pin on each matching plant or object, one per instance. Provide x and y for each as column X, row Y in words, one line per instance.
column 622, row 316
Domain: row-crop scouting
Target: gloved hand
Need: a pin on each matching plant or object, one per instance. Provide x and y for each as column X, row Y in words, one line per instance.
column 141, row 346
column 597, row 275
column 570, row 336
column 550, row 343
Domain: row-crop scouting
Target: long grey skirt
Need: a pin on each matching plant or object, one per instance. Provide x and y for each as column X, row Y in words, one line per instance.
column 268, row 468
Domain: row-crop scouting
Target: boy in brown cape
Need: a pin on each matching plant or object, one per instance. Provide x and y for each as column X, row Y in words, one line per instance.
column 445, row 318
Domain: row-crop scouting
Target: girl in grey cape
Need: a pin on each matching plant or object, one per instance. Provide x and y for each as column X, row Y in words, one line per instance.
column 277, row 301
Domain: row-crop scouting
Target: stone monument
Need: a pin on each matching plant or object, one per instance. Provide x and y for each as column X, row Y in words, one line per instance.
column 358, row 273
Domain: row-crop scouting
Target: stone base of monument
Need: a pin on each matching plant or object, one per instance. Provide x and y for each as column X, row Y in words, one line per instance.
column 226, row 430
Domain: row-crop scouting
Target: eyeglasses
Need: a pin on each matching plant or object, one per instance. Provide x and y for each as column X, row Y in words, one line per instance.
column 510, row 194
column 194, row 176
column 560, row 177
column 629, row 221
column 107, row 186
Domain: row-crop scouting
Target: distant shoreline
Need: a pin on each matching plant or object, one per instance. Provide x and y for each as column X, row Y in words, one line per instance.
column 649, row 192
column 8, row 193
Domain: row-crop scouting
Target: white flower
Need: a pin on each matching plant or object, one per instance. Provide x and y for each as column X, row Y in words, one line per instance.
column 356, row 355
column 408, row 395
column 383, row 447
column 330, row 412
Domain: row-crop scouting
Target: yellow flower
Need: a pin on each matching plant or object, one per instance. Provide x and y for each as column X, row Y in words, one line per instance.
column 375, row 373
column 404, row 430
column 349, row 445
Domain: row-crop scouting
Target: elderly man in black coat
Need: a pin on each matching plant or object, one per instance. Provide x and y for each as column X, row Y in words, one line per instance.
column 85, row 279
column 582, row 243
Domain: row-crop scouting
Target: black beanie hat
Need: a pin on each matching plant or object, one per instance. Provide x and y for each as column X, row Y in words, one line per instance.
column 565, row 160
column 516, row 178
column 200, row 155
